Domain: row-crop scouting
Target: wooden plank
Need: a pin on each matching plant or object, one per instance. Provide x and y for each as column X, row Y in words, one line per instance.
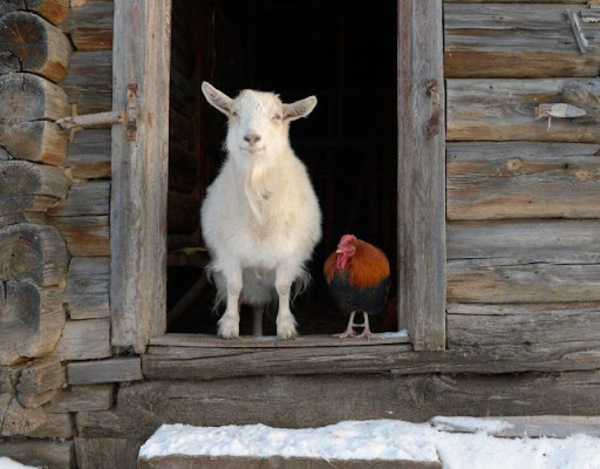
column 40, row 381
column 139, row 174
column 51, row 454
column 81, row 398
column 34, row 45
column 86, row 236
column 113, row 370
column 84, row 198
column 90, row 25
column 421, row 149
column 54, row 11
column 88, row 83
column 31, row 188
column 86, row 295
column 310, row 401
column 522, row 180
column 57, row 426
column 516, row 41
column 41, row 141
column 505, row 109
column 88, row 154
column 17, row 420
column 85, row 340
column 101, row 453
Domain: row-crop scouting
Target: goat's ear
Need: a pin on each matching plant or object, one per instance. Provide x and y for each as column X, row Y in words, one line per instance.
column 299, row 109
column 217, row 98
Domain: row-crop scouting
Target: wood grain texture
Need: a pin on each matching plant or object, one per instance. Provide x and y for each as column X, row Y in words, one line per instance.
column 139, row 174
column 52, row 454
column 32, row 44
column 308, row 401
column 505, row 109
column 40, row 381
column 516, row 41
column 101, row 453
column 113, row 370
column 84, row 198
column 86, row 295
column 40, row 141
column 522, row 180
column 421, row 149
column 81, row 398
column 54, row 11
column 90, row 25
column 86, row 236
column 88, row 155
column 57, row 426
column 84, row 340
column 88, row 82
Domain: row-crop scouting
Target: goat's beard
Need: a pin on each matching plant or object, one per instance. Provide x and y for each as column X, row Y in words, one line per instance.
column 255, row 185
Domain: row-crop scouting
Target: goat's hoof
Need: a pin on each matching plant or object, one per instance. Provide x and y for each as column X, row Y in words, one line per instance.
column 229, row 330
column 287, row 332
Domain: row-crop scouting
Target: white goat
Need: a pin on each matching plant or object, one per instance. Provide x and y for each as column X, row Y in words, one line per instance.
column 261, row 218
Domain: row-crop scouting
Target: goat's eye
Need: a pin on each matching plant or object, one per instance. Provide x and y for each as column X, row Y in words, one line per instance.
column 276, row 117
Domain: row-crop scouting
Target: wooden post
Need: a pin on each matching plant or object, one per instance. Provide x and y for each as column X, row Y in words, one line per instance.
column 141, row 54
column 421, row 163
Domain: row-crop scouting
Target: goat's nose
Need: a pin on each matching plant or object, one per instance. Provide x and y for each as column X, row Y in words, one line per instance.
column 252, row 138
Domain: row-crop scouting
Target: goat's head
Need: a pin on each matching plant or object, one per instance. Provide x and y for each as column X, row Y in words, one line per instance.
column 258, row 121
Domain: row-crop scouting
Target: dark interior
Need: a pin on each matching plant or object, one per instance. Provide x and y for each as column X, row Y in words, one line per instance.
column 342, row 51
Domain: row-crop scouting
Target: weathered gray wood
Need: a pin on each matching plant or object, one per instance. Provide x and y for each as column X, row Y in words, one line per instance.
column 86, row 236
column 88, row 83
column 32, row 44
column 52, row 454
column 89, row 154
column 16, row 420
column 84, row 340
column 104, row 371
column 522, row 180
column 101, row 453
column 178, row 461
column 421, row 148
column 503, row 109
column 308, row 401
column 139, row 174
column 516, row 41
column 57, row 426
column 29, row 187
column 81, row 398
column 40, row 381
column 86, row 295
column 31, row 320
column 28, row 102
column 90, row 25
column 54, row 11
column 85, row 198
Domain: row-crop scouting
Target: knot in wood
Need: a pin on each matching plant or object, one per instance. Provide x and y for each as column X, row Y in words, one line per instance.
column 583, row 175
column 514, row 164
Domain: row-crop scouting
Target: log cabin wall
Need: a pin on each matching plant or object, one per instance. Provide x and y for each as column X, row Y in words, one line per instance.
column 523, row 250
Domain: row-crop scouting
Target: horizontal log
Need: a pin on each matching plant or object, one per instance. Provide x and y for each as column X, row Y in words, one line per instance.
column 54, row 11
column 52, row 454
column 32, row 320
column 84, row 340
column 89, row 154
column 82, row 398
column 84, row 198
column 521, row 242
column 503, row 109
column 29, row 187
column 16, row 420
column 522, row 180
column 39, row 141
column 86, row 236
column 104, row 371
column 34, row 45
column 87, row 292
column 40, row 381
column 57, row 426
column 88, row 83
column 33, row 253
column 516, row 41
column 90, row 25
column 119, row 453
column 311, row 401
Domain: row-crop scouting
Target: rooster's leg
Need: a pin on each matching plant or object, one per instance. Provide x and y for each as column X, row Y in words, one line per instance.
column 366, row 333
column 349, row 332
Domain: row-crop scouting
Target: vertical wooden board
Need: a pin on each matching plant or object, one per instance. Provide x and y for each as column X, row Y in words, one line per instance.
column 106, row 453
column 139, row 173
column 421, row 180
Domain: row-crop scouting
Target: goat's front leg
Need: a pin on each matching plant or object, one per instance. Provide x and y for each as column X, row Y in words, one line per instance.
column 286, row 324
column 229, row 324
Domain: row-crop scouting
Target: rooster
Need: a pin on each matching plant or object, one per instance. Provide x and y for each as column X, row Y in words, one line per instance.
column 358, row 276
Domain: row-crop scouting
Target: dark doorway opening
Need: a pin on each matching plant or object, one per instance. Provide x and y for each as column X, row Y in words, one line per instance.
column 342, row 51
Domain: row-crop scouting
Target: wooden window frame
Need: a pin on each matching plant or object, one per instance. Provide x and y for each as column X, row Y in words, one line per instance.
column 141, row 57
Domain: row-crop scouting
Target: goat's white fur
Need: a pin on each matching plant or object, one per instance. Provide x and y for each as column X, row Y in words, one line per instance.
column 261, row 218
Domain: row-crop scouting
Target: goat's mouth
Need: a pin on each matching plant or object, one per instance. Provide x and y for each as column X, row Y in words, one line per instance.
column 254, row 150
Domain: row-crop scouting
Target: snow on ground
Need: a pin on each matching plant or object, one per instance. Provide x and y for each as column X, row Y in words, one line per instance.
column 383, row 439
column 6, row 463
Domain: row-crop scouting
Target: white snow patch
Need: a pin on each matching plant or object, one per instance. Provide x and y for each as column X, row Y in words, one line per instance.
column 7, row 463
column 384, row 440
